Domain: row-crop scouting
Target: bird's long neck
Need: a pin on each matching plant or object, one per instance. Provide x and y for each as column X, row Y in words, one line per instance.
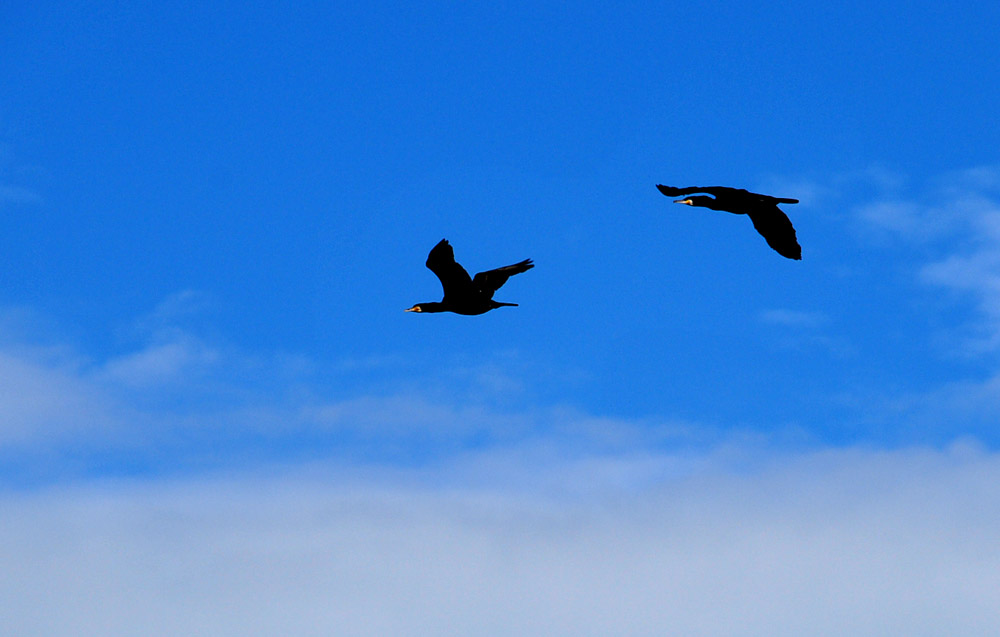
column 716, row 204
column 704, row 201
column 433, row 307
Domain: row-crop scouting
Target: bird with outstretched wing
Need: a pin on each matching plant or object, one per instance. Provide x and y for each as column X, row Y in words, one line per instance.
column 462, row 294
column 767, row 218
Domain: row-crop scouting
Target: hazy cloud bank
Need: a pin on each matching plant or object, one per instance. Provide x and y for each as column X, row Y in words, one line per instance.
column 828, row 543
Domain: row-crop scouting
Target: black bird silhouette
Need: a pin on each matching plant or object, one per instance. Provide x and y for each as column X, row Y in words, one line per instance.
column 767, row 218
column 463, row 295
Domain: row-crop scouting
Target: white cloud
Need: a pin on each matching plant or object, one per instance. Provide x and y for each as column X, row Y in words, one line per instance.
column 975, row 273
column 167, row 353
column 850, row 542
column 52, row 397
column 182, row 357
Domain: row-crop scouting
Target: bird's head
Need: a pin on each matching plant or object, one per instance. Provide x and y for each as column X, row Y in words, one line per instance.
column 697, row 200
column 425, row 307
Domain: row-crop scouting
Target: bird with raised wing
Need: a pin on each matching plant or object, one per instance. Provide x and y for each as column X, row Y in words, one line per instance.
column 767, row 218
column 464, row 294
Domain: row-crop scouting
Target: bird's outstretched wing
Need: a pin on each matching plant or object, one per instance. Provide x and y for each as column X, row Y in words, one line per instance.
column 490, row 281
column 722, row 191
column 441, row 261
column 717, row 191
column 768, row 199
column 777, row 230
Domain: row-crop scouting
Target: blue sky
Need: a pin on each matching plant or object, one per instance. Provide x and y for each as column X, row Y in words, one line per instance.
column 213, row 217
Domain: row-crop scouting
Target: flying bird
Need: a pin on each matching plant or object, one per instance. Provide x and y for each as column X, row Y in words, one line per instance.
column 464, row 295
column 767, row 218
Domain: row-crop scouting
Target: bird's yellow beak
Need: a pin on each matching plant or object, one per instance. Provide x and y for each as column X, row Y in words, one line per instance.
column 684, row 201
column 412, row 309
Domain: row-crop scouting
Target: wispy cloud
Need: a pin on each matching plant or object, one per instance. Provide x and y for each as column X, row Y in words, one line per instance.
column 180, row 357
column 178, row 402
column 961, row 213
column 830, row 192
column 178, row 398
column 915, row 221
column 168, row 352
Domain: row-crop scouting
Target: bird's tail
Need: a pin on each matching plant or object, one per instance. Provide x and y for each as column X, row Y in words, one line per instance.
column 517, row 268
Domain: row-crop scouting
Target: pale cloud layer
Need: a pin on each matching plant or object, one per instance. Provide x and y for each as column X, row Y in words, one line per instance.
column 850, row 542
column 45, row 400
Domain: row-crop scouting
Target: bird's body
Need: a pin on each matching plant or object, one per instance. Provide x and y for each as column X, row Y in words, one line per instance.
column 767, row 218
column 464, row 294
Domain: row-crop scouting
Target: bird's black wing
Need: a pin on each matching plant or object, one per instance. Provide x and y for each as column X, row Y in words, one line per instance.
column 717, row 191
column 490, row 281
column 441, row 261
column 722, row 191
column 768, row 199
column 777, row 230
